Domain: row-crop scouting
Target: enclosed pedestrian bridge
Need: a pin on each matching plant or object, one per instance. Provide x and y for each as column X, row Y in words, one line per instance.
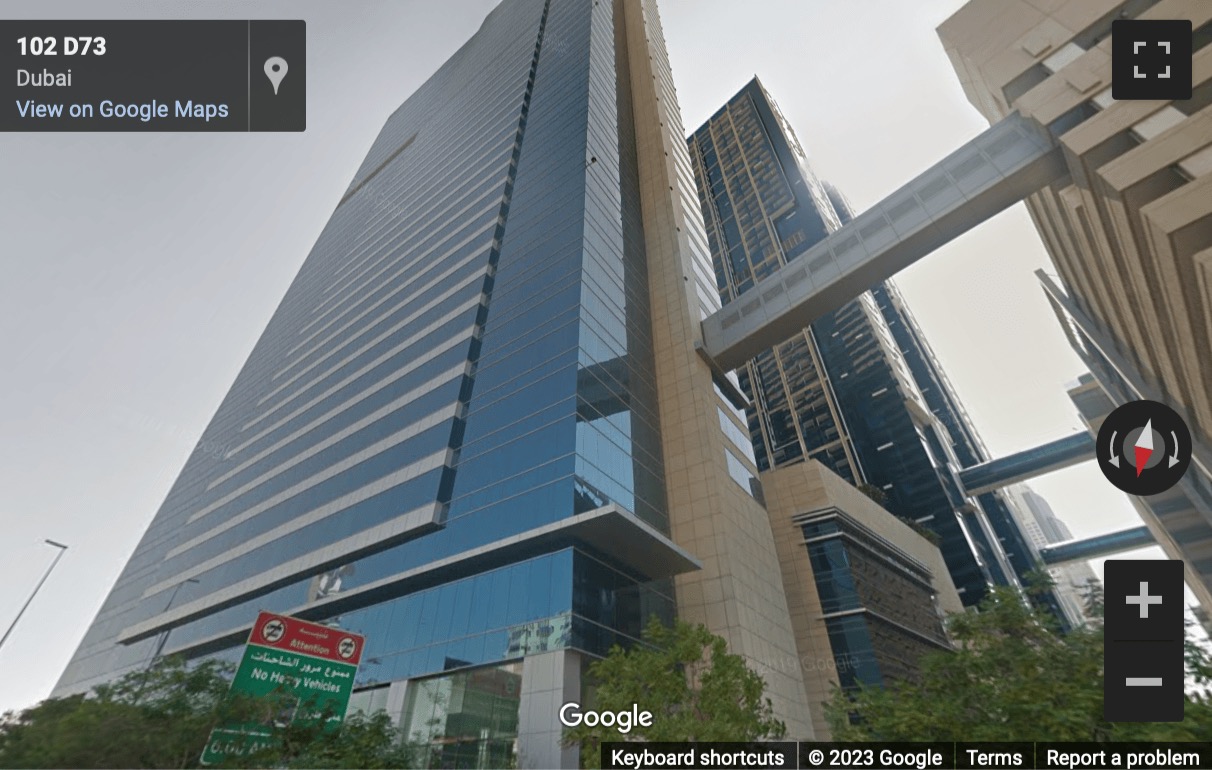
column 998, row 168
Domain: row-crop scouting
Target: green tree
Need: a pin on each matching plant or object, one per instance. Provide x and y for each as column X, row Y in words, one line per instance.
column 154, row 718
column 875, row 493
column 162, row 717
column 929, row 534
column 364, row 741
column 1012, row 677
column 695, row 689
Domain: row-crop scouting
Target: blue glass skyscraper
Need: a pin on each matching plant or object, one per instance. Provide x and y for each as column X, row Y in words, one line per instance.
column 464, row 432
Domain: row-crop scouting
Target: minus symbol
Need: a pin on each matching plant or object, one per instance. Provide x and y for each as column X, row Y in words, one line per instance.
column 1144, row 681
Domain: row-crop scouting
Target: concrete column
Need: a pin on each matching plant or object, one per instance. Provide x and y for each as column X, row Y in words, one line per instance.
column 549, row 680
column 738, row 594
column 397, row 701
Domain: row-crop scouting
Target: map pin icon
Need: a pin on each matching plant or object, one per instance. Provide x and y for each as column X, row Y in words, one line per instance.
column 275, row 70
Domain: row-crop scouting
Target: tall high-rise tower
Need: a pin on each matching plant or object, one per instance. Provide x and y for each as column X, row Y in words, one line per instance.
column 859, row 390
column 478, row 428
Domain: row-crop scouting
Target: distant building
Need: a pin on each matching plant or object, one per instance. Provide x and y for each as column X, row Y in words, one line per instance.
column 1039, row 522
column 859, row 390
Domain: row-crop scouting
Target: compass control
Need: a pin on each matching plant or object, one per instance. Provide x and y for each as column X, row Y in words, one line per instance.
column 1144, row 447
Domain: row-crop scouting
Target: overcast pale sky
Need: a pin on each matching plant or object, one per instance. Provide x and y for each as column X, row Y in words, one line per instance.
column 139, row 269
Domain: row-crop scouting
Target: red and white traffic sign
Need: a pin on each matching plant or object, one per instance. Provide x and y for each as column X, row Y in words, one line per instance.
column 286, row 633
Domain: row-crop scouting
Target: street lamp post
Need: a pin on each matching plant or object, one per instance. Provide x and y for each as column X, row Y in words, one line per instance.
column 62, row 548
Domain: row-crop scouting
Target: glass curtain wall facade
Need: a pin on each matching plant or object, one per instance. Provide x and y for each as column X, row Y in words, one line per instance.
column 462, row 365
column 963, row 442
column 846, row 390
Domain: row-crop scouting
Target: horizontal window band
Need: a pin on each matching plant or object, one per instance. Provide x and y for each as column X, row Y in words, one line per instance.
column 486, row 232
column 412, row 395
column 609, row 529
column 502, row 121
column 405, row 433
column 399, row 530
column 481, row 268
column 406, row 473
column 479, row 177
column 377, row 394
column 452, row 270
column 294, row 491
column 463, row 337
column 467, row 285
column 385, row 256
column 377, row 507
column 415, row 254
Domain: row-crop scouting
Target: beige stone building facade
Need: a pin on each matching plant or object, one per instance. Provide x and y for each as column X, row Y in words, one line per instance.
column 738, row 593
column 1129, row 227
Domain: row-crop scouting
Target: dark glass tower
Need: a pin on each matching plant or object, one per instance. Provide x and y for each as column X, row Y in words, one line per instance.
column 965, row 446
column 859, row 390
